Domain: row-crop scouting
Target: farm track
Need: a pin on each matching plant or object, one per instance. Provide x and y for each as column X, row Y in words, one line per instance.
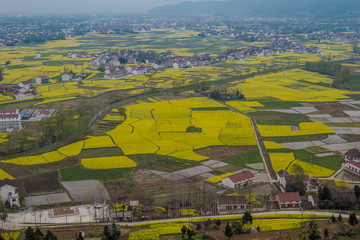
column 264, row 154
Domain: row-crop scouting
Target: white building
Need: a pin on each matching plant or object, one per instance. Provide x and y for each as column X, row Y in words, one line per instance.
column 42, row 79
column 9, row 192
column 353, row 166
column 238, row 180
column 27, row 85
column 231, row 204
column 67, row 77
column 10, row 118
column 24, row 95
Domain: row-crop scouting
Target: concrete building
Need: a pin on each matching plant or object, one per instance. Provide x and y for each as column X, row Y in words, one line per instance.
column 9, row 192
column 238, row 180
column 231, row 204
column 10, row 118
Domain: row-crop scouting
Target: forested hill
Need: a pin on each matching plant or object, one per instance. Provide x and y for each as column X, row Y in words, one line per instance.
column 265, row 8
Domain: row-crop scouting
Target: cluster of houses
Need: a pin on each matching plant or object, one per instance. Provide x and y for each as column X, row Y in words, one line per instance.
column 128, row 63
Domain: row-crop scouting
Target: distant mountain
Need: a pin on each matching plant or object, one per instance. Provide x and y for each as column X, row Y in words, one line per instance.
column 264, row 8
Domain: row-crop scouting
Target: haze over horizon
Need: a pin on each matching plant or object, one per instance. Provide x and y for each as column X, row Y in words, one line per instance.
column 83, row 7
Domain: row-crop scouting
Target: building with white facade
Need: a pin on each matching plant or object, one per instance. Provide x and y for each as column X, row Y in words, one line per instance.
column 10, row 118
column 238, row 180
column 9, row 192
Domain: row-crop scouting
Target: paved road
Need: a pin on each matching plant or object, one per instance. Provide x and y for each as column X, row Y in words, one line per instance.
column 15, row 226
column 260, row 143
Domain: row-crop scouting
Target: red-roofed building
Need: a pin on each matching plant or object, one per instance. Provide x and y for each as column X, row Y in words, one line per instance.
column 353, row 166
column 288, row 200
column 238, row 180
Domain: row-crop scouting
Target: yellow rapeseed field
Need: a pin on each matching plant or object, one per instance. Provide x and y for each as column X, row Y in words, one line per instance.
column 4, row 175
column 98, row 142
column 311, row 169
column 108, row 162
column 281, row 161
column 306, row 128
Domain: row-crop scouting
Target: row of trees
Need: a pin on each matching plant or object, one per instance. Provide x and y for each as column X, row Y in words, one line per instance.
column 237, row 227
column 327, row 201
column 30, row 234
column 339, row 72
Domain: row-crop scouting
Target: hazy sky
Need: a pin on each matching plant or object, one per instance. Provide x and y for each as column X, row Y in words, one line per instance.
column 47, row 7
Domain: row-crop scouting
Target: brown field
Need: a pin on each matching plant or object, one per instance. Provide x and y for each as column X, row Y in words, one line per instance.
column 22, row 171
column 335, row 109
column 222, row 153
column 42, row 183
column 266, row 117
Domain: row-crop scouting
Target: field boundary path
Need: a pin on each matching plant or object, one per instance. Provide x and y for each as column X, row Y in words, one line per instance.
column 264, row 154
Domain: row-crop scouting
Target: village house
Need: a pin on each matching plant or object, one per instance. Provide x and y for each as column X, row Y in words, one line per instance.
column 353, row 154
column 37, row 55
column 238, row 180
column 231, row 204
column 43, row 114
column 285, row 178
column 10, row 118
column 23, row 95
column 288, row 200
column 314, row 199
column 353, row 166
column 66, row 77
column 9, row 193
column 27, row 85
column 42, row 79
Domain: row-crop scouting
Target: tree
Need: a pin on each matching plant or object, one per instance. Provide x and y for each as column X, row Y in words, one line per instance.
column 38, row 234
column 216, row 95
column 228, row 231
column 217, row 223
column 314, row 232
column 122, row 60
column 106, row 233
column 183, row 231
column 326, row 233
column 357, row 193
column 1, row 74
column 247, row 218
column 333, row 218
column 29, row 234
column 50, row 236
column 7, row 62
column 340, row 218
column 353, row 219
column 190, row 233
column 115, row 232
column 198, row 227
column 296, row 187
column 237, row 227
column 207, row 224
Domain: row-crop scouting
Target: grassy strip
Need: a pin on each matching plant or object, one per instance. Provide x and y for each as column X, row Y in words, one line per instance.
column 101, row 152
column 297, row 138
column 280, row 104
column 331, row 162
column 242, row 159
column 78, row 173
column 162, row 162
